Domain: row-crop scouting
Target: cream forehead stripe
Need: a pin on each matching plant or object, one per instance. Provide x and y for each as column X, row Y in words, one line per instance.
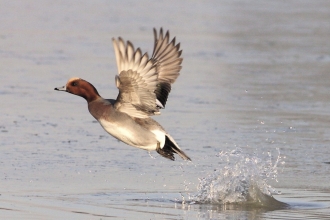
column 73, row 79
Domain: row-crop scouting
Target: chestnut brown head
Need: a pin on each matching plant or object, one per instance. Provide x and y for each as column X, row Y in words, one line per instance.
column 80, row 87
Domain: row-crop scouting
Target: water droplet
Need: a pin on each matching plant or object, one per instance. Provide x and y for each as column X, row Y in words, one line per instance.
column 244, row 177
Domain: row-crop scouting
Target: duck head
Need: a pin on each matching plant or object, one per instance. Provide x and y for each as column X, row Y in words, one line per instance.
column 80, row 87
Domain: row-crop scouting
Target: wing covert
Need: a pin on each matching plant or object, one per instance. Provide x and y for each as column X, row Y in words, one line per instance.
column 144, row 83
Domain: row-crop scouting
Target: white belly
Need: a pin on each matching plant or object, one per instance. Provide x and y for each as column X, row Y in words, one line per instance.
column 133, row 135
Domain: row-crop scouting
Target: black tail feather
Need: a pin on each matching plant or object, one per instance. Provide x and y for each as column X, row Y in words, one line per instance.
column 169, row 149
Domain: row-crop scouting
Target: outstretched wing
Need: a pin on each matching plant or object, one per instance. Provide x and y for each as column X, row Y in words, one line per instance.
column 136, row 81
column 143, row 83
column 166, row 56
column 136, row 96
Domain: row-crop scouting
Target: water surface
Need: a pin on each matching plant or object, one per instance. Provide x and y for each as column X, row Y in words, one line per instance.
column 255, row 76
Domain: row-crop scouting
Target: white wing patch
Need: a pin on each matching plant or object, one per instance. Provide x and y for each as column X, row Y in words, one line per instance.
column 160, row 136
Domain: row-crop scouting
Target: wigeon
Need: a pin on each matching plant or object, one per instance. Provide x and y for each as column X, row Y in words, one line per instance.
column 144, row 85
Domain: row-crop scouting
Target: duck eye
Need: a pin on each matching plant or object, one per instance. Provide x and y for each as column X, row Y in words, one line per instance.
column 74, row 84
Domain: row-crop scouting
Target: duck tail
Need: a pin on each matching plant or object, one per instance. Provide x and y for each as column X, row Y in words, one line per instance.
column 169, row 148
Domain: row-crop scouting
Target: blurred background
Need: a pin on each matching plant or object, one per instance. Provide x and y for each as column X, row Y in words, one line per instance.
column 255, row 76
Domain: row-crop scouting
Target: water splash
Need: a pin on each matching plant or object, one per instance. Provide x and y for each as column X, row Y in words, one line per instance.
column 243, row 180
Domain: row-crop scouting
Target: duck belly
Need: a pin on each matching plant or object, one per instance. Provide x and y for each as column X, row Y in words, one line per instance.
column 131, row 133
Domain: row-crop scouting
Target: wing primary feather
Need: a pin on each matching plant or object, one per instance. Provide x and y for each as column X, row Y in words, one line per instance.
column 144, row 83
column 129, row 52
column 117, row 52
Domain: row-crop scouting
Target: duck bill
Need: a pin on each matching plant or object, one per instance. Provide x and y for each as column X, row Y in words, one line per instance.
column 63, row 88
